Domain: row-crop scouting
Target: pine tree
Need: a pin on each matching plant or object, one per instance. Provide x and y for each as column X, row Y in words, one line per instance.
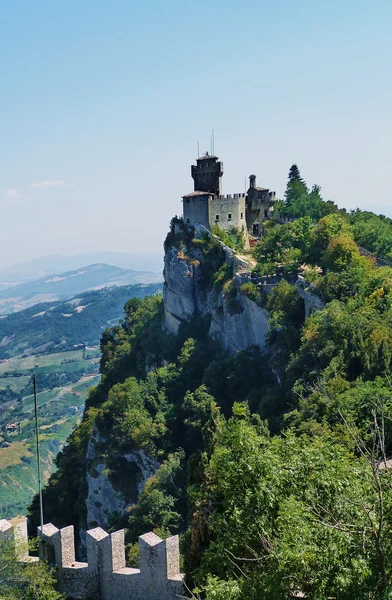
column 296, row 186
column 295, row 175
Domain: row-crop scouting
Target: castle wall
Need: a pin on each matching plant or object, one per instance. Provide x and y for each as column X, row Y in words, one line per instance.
column 195, row 210
column 105, row 573
column 230, row 211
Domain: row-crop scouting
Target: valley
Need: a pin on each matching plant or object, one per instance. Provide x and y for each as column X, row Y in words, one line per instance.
column 58, row 342
column 60, row 408
column 55, row 286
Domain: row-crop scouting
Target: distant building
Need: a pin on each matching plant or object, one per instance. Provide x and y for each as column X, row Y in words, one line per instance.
column 208, row 206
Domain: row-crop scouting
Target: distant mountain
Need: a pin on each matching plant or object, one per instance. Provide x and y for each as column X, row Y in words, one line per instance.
column 56, row 263
column 57, row 326
column 65, row 285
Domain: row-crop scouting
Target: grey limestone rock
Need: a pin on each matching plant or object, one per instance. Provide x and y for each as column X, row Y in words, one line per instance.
column 312, row 302
column 102, row 498
column 236, row 332
column 184, row 298
column 178, row 290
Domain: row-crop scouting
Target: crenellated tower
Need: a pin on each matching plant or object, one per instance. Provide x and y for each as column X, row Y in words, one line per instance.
column 207, row 206
column 207, row 175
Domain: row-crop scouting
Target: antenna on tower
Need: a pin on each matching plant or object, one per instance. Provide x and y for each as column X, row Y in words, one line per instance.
column 41, row 510
column 213, row 143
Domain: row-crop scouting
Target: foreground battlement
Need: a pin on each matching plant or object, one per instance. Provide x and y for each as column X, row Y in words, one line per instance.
column 158, row 578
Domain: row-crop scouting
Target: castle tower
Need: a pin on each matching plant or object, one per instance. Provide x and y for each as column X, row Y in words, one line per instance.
column 207, row 174
column 259, row 206
column 252, row 181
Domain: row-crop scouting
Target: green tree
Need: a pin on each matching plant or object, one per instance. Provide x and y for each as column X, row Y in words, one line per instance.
column 326, row 229
column 340, row 253
column 159, row 507
column 294, row 174
column 287, row 244
column 296, row 187
column 24, row 581
column 294, row 513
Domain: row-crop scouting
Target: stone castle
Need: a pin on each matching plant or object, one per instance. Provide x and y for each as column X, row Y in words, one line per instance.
column 104, row 575
column 207, row 206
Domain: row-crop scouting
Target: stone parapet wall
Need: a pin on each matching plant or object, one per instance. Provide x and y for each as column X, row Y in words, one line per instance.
column 283, row 219
column 105, row 572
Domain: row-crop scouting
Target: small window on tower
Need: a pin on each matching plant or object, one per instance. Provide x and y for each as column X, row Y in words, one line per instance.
column 187, row 200
column 188, row 220
column 216, row 217
column 229, row 216
column 242, row 215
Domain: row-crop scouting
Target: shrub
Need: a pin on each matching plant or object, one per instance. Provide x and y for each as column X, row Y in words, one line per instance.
column 222, row 276
column 234, row 238
column 250, row 290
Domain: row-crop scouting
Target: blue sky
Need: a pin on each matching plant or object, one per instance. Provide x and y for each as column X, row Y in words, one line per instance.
column 102, row 104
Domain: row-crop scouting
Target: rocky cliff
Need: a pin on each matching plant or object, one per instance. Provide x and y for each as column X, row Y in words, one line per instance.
column 202, row 278
column 105, row 496
column 235, row 320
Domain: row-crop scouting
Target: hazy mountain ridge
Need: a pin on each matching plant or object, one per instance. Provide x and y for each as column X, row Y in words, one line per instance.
column 54, row 287
column 37, row 268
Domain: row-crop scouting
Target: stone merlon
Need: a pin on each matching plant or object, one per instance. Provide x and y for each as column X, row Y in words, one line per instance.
column 105, row 572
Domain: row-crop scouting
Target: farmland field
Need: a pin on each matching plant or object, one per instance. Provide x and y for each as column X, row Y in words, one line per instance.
column 58, row 342
column 15, row 383
column 47, row 362
column 60, row 408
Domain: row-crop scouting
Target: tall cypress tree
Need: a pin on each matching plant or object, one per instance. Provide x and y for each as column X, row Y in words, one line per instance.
column 294, row 174
column 296, row 186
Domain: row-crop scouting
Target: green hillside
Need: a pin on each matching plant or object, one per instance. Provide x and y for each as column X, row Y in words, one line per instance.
column 273, row 467
column 64, row 376
column 63, row 286
column 57, row 326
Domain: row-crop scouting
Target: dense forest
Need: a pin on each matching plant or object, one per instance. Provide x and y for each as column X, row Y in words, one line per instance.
column 273, row 466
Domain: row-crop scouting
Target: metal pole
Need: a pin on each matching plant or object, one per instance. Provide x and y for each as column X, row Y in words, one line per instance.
column 41, row 509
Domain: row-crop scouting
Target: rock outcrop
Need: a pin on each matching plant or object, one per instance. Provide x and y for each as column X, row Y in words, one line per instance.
column 185, row 297
column 311, row 301
column 179, row 290
column 103, row 498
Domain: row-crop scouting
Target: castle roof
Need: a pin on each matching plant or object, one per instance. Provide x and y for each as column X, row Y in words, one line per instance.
column 206, row 157
column 198, row 194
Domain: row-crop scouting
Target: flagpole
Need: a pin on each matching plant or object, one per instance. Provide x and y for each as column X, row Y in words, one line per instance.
column 41, row 510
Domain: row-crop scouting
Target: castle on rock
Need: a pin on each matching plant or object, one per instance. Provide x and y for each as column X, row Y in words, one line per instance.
column 207, row 205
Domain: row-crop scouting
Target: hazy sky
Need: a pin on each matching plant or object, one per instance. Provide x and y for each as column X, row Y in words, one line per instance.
column 102, row 104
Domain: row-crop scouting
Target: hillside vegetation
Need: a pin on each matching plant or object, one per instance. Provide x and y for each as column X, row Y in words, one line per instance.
column 273, row 467
column 41, row 341
column 57, row 326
